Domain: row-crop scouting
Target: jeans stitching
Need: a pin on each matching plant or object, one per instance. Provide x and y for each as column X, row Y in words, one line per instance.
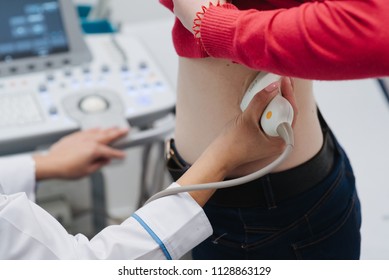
column 296, row 223
column 345, row 219
column 299, row 221
column 262, row 229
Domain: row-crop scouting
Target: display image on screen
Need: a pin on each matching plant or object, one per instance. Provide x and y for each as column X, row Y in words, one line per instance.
column 31, row 28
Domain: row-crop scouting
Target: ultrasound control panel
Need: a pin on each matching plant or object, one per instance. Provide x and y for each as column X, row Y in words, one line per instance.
column 120, row 85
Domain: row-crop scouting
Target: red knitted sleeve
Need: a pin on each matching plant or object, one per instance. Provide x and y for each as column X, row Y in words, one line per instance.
column 168, row 4
column 328, row 40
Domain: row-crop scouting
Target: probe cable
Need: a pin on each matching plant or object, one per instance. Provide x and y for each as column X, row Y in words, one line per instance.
column 284, row 130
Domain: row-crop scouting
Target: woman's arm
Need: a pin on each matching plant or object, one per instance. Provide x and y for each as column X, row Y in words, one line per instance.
column 328, row 40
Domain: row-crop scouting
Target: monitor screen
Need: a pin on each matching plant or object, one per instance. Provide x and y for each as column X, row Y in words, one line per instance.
column 31, row 28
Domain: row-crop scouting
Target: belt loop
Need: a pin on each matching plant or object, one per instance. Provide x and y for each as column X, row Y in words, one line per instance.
column 269, row 194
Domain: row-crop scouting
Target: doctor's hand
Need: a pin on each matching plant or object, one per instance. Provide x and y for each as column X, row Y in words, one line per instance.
column 186, row 10
column 242, row 141
column 79, row 154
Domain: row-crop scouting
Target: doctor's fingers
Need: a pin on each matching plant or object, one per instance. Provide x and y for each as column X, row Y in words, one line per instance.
column 108, row 135
column 105, row 152
column 96, row 165
column 287, row 90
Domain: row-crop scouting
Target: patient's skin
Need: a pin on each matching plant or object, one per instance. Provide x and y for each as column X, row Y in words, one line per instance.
column 209, row 93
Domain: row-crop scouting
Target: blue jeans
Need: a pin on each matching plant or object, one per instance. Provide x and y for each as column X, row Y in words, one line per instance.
column 321, row 223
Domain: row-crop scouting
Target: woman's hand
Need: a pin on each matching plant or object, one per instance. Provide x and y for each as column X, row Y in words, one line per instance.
column 186, row 10
column 79, row 154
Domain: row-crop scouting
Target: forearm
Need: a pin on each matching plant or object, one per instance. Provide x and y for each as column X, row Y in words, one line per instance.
column 328, row 40
column 208, row 168
column 44, row 168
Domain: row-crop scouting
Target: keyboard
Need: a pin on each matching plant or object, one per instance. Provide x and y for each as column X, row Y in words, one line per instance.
column 19, row 109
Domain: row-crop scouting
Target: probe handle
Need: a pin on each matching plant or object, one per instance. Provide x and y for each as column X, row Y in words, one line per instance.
column 278, row 111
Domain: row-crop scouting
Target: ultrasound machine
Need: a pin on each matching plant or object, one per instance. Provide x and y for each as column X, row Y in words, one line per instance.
column 54, row 80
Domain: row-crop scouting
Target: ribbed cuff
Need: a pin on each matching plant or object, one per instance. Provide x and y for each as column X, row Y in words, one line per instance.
column 217, row 30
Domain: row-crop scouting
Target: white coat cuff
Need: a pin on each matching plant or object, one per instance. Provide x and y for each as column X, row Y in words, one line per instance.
column 180, row 229
column 17, row 174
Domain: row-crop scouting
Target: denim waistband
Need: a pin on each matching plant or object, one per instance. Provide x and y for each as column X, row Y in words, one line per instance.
column 282, row 185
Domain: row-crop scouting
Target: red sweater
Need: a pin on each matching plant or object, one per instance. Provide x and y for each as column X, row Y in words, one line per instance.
column 324, row 39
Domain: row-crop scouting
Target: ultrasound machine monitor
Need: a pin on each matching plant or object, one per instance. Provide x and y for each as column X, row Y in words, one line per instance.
column 37, row 35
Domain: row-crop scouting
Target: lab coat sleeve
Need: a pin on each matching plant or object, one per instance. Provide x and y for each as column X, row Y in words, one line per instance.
column 17, row 174
column 32, row 233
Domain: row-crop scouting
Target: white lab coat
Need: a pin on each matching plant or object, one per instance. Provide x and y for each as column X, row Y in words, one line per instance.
column 169, row 226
